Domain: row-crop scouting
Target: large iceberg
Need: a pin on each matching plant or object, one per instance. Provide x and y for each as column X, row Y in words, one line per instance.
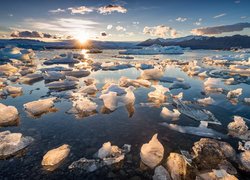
column 154, row 49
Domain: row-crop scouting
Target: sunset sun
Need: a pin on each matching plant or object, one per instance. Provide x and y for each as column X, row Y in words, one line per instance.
column 82, row 37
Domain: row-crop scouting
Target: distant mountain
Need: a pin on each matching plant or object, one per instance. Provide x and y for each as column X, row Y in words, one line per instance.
column 65, row 44
column 202, row 42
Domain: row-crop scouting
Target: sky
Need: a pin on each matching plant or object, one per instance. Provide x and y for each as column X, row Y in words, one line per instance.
column 122, row 20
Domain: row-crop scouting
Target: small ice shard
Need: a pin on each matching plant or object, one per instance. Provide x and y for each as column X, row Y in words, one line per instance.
column 77, row 74
column 152, row 74
column 126, row 82
column 31, row 78
column 39, row 107
column 170, row 79
column 212, row 85
column 177, row 85
column 206, row 101
column 144, row 66
column 238, row 128
column 202, row 130
column 87, row 165
column 105, row 150
column 230, row 81
column 8, row 115
column 244, row 146
column 247, row 100
column 177, row 166
column 62, row 85
column 84, row 107
column 110, row 100
column 161, row 174
column 91, row 89
column 203, row 74
column 111, row 87
column 158, row 93
column 53, row 76
column 55, row 156
column 12, row 143
column 63, row 60
column 244, row 158
column 8, row 69
column 178, row 96
column 196, row 114
column 152, row 152
column 234, row 93
column 90, row 81
column 165, row 112
column 12, row 90
column 123, row 57
column 57, row 68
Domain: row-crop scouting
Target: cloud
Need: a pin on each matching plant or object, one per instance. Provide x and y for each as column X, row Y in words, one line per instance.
column 57, row 10
column 120, row 28
column 80, row 10
column 220, row 15
column 160, row 31
column 110, row 26
column 220, row 29
column 237, row 2
column 32, row 34
column 111, row 8
column 198, row 23
column 135, row 23
column 181, row 19
column 103, row 34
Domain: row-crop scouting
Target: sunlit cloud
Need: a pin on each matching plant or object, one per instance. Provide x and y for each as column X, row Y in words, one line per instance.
column 220, row 15
column 33, row 34
column 160, row 31
column 80, row 10
column 181, row 19
column 220, row 29
column 110, row 26
column 57, row 10
column 111, row 8
column 120, row 28
column 198, row 23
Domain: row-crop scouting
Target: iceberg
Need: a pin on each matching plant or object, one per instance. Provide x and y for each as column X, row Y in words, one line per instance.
column 152, row 152
column 196, row 114
column 8, row 115
column 12, row 143
column 36, row 108
column 69, row 59
column 165, row 112
column 202, row 130
column 55, row 156
column 154, row 49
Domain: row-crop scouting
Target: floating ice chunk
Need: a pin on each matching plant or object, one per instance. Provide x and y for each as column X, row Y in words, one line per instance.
column 217, row 174
column 55, row 156
column 196, row 114
column 177, row 85
column 230, row 81
column 212, row 85
column 161, row 174
column 77, row 74
column 245, row 146
column 158, row 93
column 206, row 101
column 129, row 97
column 12, row 90
column 144, row 66
column 39, row 107
column 202, row 130
column 111, row 87
column 110, row 100
column 63, row 60
column 62, row 85
column 57, row 68
column 247, row 100
column 238, row 128
column 53, row 76
column 154, row 49
column 152, row 74
column 84, row 106
column 8, row 69
column 234, row 93
column 105, row 150
column 94, row 51
column 16, row 53
column 152, row 152
column 123, row 57
column 8, row 115
column 12, row 143
column 165, row 112
column 125, row 82
column 203, row 74
column 178, row 96
column 91, row 89
column 244, row 158
column 31, row 78
column 90, row 81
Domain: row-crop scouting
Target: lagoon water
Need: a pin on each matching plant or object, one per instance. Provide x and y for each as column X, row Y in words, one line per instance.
column 86, row 135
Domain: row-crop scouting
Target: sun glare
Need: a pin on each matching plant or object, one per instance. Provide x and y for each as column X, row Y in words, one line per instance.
column 82, row 37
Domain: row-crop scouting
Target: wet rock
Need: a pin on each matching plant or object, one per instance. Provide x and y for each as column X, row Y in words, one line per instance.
column 56, row 156
column 161, row 174
column 152, row 152
column 208, row 153
column 12, row 143
column 39, row 107
column 8, row 115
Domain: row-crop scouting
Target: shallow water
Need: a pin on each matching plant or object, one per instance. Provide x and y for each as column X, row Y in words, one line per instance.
column 86, row 135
